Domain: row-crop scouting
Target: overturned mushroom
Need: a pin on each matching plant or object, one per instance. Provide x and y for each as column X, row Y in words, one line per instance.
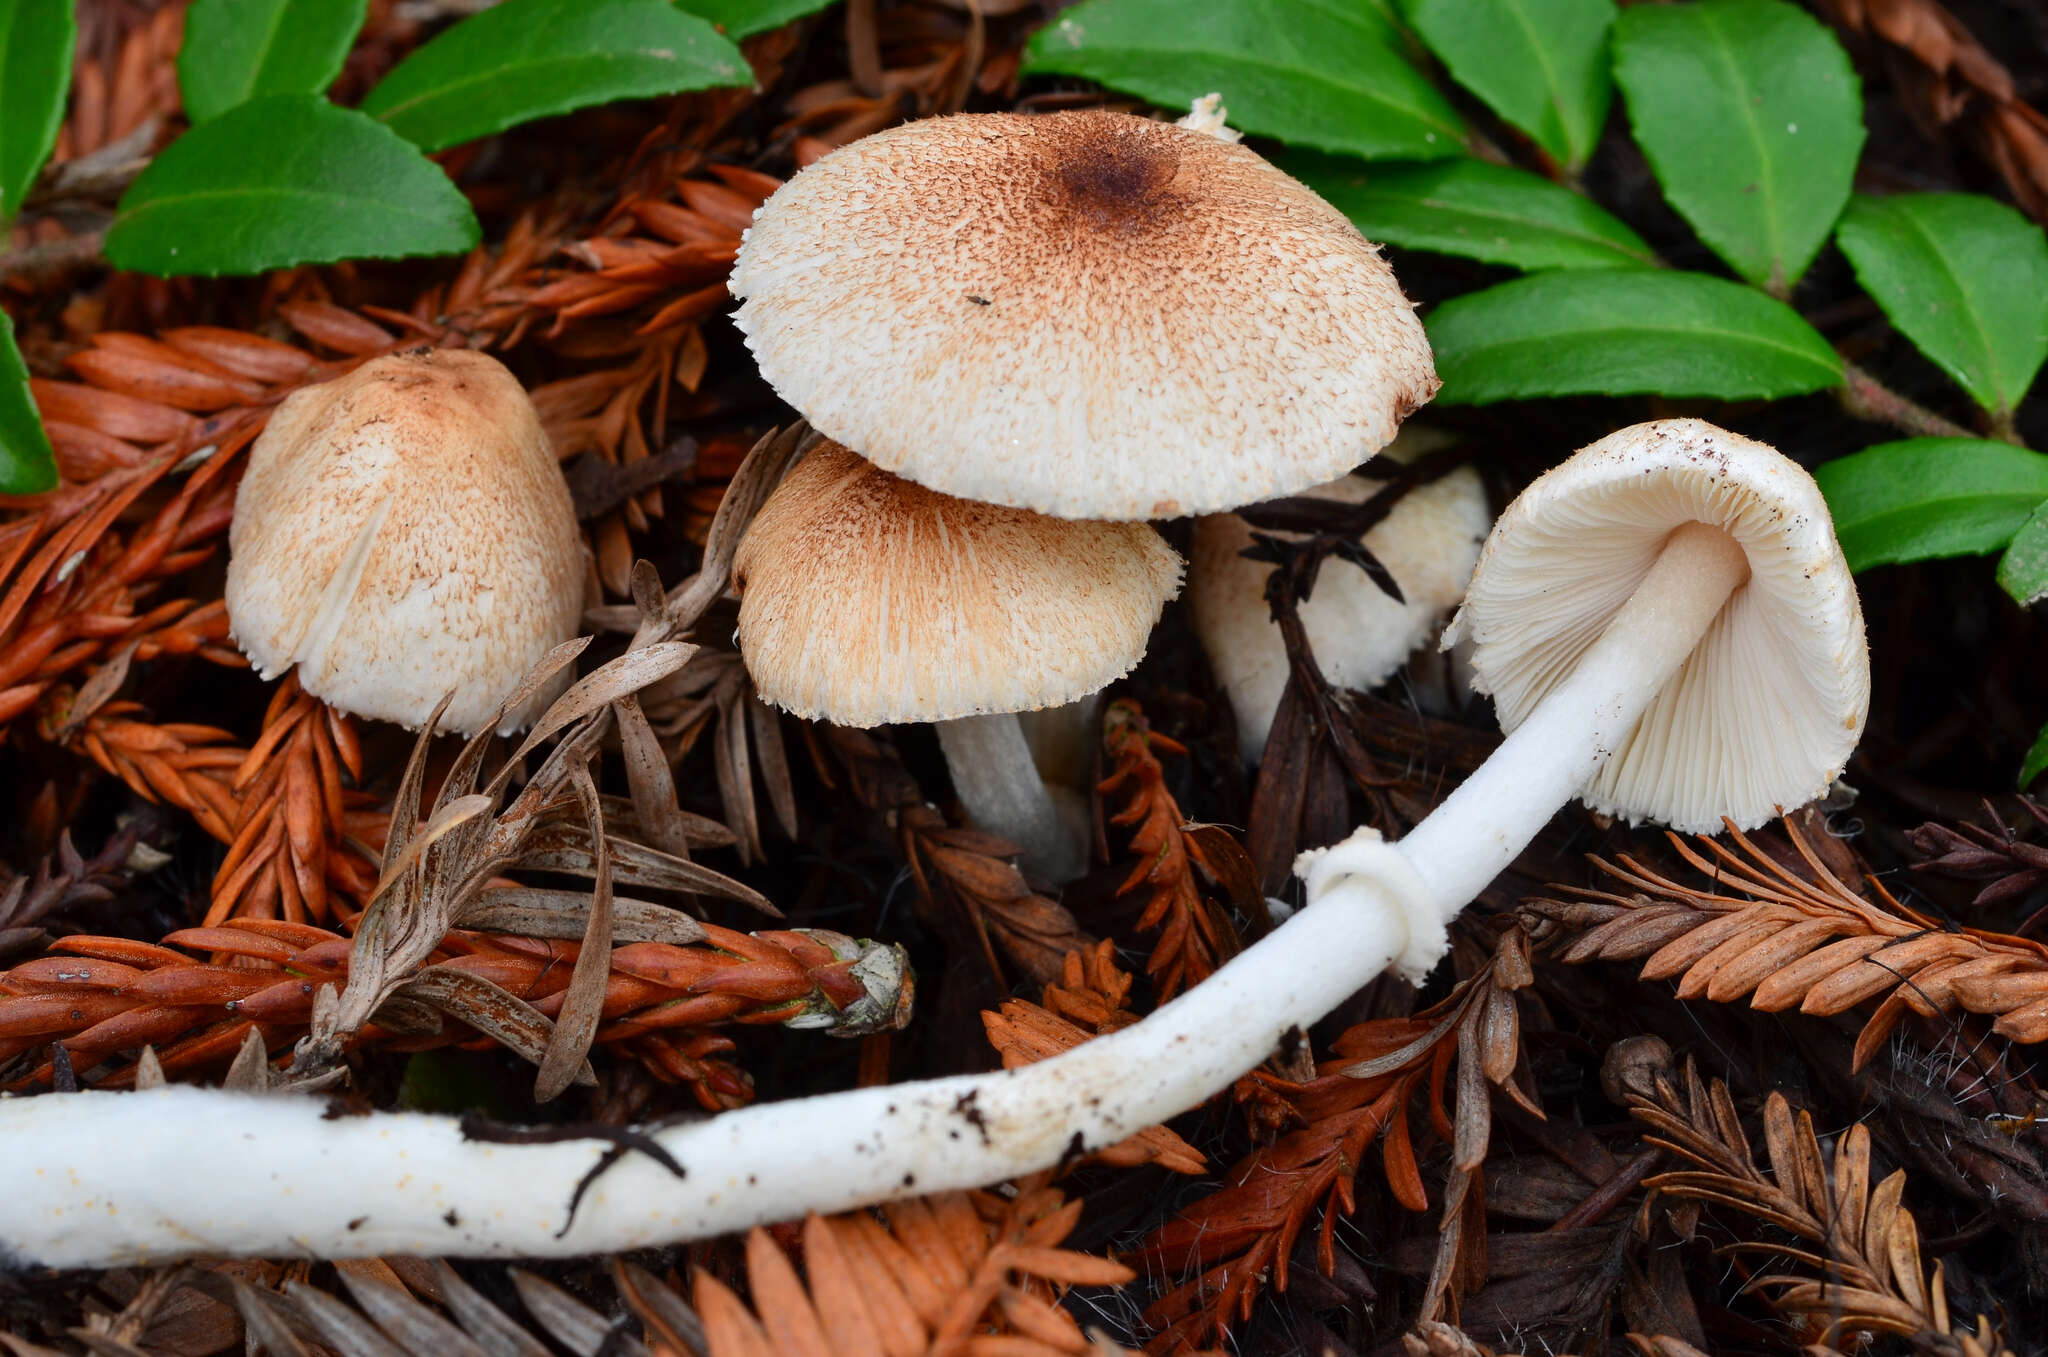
column 1669, row 631
column 402, row 531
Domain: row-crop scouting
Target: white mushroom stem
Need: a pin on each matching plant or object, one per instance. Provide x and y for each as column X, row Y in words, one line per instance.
column 1554, row 753
column 217, row 1173
column 98, row 1179
column 1002, row 792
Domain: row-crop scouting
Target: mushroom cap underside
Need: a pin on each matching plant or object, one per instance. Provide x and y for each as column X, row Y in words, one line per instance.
column 1767, row 709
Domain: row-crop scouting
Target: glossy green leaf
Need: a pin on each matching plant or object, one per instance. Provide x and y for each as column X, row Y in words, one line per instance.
column 1322, row 73
column 1930, row 497
column 1540, row 64
column 286, row 180
column 527, row 59
column 1965, row 278
column 2023, row 570
column 1751, row 117
column 744, row 18
column 1472, row 209
column 36, row 38
column 238, row 50
column 26, row 463
column 1621, row 332
column 2036, row 760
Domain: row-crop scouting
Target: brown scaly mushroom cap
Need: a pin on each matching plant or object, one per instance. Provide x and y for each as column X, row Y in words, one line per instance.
column 867, row 600
column 1088, row 314
column 402, row 531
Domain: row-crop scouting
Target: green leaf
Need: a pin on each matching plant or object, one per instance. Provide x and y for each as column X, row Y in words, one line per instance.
column 744, row 18
column 1622, row 332
column 1322, row 73
column 238, row 50
column 1752, row 118
column 1929, row 497
column 26, row 463
column 527, row 59
column 286, row 180
column 1472, row 209
column 36, row 38
column 1964, row 278
column 1539, row 64
column 2036, row 760
column 2023, row 570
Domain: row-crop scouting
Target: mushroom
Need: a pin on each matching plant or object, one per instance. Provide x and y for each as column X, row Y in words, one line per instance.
column 1718, row 572
column 1669, row 632
column 401, row 531
column 1088, row 314
column 1359, row 633
column 867, row 600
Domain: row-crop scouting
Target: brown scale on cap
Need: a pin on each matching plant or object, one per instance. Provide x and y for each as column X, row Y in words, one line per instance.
column 866, row 599
column 1087, row 314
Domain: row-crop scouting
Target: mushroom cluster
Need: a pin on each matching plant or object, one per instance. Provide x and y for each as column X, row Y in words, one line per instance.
column 1698, row 653
column 1087, row 319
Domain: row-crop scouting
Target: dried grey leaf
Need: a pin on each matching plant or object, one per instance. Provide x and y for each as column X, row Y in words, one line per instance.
column 536, row 912
column 635, row 865
column 735, row 773
column 407, row 1322
column 1394, row 1060
column 497, row 1332
column 264, row 1315
column 583, row 1004
column 407, row 1017
column 250, row 1070
column 603, row 686
column 653, row 785
column 773, row 757
column 405, row 810
column 94, row 692
column 1473, row 1119
column 490, row 1008
column 571, row 1323
column 624, row 821
column 339, row 1327
column 1500, row 1038
column 149, row 1071
column 667, row 1310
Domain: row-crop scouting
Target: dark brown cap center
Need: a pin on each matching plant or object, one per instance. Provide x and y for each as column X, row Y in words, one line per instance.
column 1115, row 175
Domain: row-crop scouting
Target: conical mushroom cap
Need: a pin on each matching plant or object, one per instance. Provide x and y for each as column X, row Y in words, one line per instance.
column 402, row 531
column 868, row 600
column 1769, row 706
column 1088, row 314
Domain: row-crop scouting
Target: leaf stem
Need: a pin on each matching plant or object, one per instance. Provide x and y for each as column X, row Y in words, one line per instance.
column 2005, row 429
column 1865, row 397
